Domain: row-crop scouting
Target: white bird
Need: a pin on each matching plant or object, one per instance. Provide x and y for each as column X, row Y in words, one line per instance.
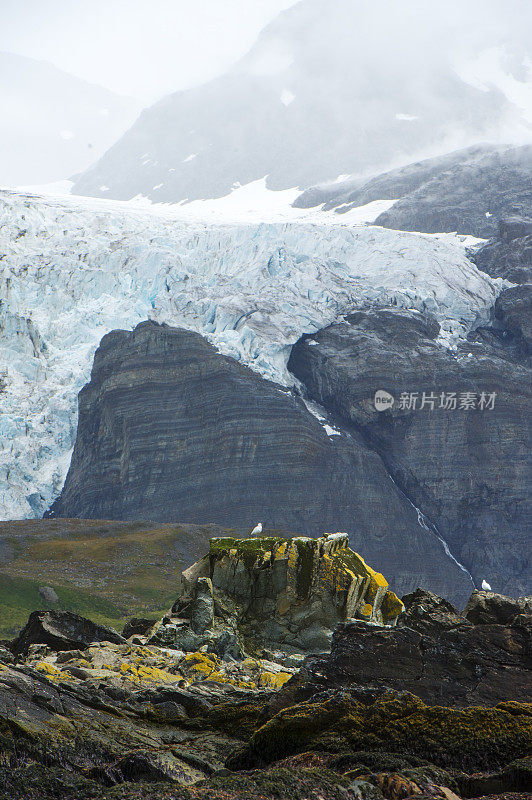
column 485, row 586
column 257, row 529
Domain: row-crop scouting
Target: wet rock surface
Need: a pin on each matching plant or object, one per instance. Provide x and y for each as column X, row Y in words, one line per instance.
column 466, row 469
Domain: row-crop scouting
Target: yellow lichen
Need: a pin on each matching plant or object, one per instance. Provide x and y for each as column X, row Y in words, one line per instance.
column 273, row 680
column 51, row 672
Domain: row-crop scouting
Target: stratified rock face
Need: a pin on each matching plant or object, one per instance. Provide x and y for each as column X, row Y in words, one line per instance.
column 434, row 652
column 171, row 430
column 466, row 467
column 276, row 592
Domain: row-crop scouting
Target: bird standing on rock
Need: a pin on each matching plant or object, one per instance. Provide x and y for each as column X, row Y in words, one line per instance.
column 485, row 586
column 257, row 530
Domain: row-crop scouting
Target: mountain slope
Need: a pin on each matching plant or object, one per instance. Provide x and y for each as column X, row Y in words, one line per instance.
column 468, row 191
column 170, row 429
column 330, row 87
column 53, row 124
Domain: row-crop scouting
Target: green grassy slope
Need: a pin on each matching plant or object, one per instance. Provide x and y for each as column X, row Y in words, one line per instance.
column 105, row 570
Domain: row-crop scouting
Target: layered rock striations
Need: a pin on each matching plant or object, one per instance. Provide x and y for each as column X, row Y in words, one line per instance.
column 169, row 429
column 462, row 462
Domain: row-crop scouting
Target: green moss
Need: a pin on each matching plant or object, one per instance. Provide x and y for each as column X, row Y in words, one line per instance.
column 20, row 596
column 221, row 546
column 470, row 739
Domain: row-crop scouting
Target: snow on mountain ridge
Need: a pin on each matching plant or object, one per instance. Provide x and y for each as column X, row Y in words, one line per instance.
column 330, row 87
column 75, row 269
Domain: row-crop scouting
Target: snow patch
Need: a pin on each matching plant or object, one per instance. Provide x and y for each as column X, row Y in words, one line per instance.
column 406, row 117
column 66, row 135
column 287, row 97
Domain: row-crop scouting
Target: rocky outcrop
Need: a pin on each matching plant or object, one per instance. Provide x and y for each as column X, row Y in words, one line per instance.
column 509, row 254
column 469, row 191
column 489, row 608
column 62, row 630
column 470, row 197
column 170, row 430
column 392, row 185
column 464, row 466
column 443, row 657
column 129, row 720
column 287, row 594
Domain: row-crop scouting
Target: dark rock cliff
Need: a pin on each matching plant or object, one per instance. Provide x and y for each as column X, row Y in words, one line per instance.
column 466, row 469
column 469, row 198
column 509, row 254
column 170, row 430
column 468, row 191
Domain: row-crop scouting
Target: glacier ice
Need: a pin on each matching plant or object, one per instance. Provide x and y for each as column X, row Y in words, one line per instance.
column 72, row 269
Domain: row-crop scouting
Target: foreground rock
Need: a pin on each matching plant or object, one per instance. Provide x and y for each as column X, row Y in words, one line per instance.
column 288, row 594
column 464, row 466
column 62, row 630
column 170, row 429
column 480, row 659
column 130, row 721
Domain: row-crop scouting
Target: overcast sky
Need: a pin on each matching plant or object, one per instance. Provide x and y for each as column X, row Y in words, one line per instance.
column 143, row 48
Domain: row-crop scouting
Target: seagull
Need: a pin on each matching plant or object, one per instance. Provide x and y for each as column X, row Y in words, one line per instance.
column 257, row 530
column 485, row 586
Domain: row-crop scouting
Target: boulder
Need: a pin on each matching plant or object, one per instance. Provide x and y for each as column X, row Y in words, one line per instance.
column 202, row 606
column 490, row 608
column 138, row 627
column 62, row 630
column 426, row 612
column 443, row 657
column 48, row 594
column 288, row 593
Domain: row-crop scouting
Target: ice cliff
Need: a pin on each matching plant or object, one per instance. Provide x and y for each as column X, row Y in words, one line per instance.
column 73, row 269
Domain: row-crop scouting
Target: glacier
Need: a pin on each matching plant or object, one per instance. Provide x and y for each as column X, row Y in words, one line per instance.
column 72, row 269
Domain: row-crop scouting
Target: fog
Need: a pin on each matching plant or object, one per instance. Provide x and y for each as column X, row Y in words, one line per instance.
column 334, row 87
column 140, row 48
column 328, row 87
